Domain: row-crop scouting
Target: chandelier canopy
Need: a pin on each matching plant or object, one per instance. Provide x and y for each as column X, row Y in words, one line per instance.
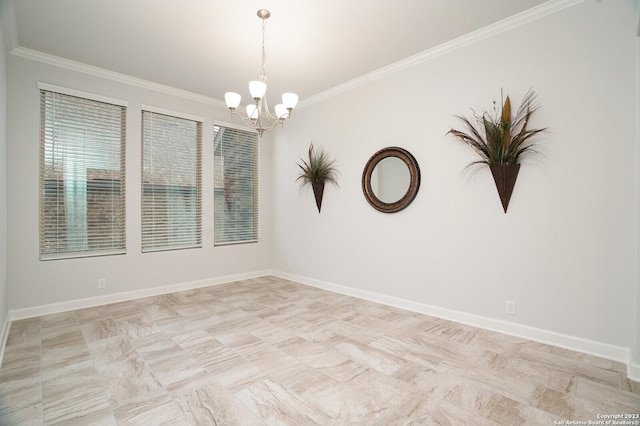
column 258, row 116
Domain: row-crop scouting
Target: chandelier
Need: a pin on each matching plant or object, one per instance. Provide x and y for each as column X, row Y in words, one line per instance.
column 258, row 116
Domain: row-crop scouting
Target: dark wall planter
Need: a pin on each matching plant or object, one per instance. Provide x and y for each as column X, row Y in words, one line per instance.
column 505, row 176
column 318, row 190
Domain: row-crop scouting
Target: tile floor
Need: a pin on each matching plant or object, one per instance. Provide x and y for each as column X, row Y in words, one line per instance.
column 269, row 351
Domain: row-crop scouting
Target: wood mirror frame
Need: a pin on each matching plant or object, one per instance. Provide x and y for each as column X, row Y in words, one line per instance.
column 414, row 183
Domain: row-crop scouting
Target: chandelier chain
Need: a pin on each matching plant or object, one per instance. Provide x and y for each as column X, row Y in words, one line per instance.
column 263, row 70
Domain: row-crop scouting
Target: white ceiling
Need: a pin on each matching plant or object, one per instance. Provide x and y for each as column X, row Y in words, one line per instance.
column 212, row 46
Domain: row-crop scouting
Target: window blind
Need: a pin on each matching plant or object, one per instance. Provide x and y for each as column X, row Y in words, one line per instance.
column 171, row 180
column 235, row 186
column 82, row 178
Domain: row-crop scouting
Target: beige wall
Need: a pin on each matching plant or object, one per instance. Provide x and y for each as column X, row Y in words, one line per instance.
column 564, row 252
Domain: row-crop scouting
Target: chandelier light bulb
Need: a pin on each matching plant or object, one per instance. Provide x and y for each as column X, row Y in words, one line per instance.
column 232, row 99
column 290, row 100
column 281, row 111
column 257, row 89
column 252, row 111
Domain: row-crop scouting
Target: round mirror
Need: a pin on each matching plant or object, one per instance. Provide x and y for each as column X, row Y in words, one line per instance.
column 391, row 179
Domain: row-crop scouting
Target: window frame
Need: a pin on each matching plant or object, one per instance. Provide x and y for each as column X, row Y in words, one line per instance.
column 256, row 201
column 121, row 247
column 198, row 243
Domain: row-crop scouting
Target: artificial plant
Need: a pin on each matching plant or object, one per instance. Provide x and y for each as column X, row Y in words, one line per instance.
column 501, row 140
column 318, row 169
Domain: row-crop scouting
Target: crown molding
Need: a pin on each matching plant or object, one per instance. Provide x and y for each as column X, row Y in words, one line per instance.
column 515, row 21
column 57, row 61
column 535, row 13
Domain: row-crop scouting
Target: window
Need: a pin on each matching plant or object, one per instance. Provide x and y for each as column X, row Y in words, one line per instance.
column 235, row 206
column 171, row 182
column 82, row 207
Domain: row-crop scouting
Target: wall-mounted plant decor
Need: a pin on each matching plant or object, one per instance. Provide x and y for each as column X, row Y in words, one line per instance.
column 318, row 169
column 501, row 140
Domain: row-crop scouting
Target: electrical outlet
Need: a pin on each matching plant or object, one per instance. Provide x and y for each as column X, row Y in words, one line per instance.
column 510, row 307
column 102, row 283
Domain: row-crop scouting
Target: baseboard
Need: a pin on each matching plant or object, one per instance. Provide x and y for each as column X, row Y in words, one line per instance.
column 603, row 350
column 6, row 327
column 633, row 372
column 36, row 311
